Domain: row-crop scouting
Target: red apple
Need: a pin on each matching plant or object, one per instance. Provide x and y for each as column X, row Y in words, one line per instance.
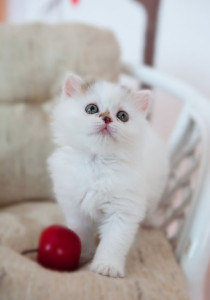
column 59, row 248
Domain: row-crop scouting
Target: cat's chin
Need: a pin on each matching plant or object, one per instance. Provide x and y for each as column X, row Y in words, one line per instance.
column 101, row 143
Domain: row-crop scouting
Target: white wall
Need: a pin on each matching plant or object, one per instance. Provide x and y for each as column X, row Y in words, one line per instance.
column 184, row 41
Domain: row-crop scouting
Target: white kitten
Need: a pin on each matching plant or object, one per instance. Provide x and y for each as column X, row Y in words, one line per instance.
column 109, row 169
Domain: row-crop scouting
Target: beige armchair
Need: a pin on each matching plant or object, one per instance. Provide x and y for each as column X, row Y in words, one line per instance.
column 33, row 61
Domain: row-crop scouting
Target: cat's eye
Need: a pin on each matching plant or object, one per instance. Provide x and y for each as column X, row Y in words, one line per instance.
column 91, row 109
column 123, row 116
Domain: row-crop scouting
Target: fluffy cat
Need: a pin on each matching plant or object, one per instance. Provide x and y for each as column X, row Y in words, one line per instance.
column 109, row 169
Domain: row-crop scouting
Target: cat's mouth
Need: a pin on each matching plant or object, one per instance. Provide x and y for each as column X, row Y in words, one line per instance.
column 105, row 130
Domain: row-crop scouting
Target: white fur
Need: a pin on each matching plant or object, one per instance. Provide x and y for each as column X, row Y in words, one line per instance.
column 106, row 183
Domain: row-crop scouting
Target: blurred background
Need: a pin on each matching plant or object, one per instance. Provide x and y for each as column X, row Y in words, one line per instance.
column 182, row 44
column 178, row 33
column 182, row 41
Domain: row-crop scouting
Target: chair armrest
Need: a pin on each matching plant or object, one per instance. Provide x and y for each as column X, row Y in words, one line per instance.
column 193, row 247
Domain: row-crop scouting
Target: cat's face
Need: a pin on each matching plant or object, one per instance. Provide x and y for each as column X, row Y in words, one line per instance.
column 99, row 116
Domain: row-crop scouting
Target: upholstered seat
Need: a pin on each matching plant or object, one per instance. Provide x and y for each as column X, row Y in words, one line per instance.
column 151, row 273
column 33, row 60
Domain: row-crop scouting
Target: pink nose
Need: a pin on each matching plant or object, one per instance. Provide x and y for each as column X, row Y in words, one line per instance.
column 107, row 120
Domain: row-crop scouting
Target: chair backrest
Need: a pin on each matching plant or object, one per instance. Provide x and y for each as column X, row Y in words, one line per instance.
column 185, row 162
column 46, row 53
column 33, row 61
column 186, row 201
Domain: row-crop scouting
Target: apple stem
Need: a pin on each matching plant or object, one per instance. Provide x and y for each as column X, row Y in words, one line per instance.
column 29, row 251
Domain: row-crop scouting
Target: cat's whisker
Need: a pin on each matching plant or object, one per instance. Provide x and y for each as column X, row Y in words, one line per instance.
column 123, row 136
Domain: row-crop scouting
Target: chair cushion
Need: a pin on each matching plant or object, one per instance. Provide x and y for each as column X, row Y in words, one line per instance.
column 35, row 57
column 151, row 273
column 25, row 145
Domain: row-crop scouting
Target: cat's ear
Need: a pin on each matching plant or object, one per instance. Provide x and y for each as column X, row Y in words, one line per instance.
column 72, row 85
column 143, row 100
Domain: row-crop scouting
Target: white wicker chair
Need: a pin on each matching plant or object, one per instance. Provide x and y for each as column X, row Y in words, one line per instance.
column 189, row 150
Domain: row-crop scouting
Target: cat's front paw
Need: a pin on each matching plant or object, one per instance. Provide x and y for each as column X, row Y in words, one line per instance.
column 107, row 269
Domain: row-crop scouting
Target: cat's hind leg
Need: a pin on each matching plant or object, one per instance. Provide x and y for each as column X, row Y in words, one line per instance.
column 85, row 229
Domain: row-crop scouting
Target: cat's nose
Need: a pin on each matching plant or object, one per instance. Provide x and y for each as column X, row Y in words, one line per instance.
column 107, row 120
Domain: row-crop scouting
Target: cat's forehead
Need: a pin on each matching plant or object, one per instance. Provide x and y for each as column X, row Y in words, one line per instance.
column 111, row 95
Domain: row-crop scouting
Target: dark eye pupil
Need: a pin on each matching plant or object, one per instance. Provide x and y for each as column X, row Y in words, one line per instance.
column 123, row 116
column 91, row 109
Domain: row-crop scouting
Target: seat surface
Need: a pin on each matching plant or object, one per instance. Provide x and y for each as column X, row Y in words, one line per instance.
column 151, row 272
